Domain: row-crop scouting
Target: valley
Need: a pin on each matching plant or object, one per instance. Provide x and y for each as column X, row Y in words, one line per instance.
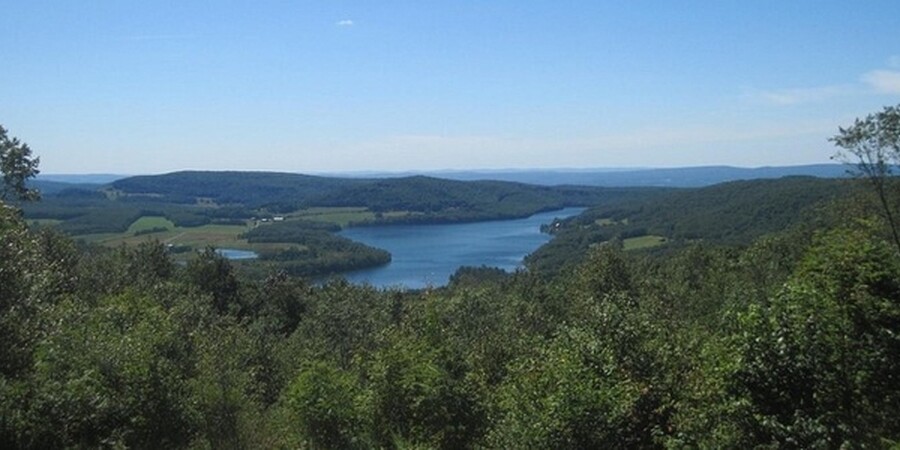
column 450, row 225
column 293, row 223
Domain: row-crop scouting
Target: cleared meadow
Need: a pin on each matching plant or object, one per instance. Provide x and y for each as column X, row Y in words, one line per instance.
column 643, row 242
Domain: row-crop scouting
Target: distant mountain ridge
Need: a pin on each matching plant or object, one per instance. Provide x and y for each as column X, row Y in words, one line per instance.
column 52, row 184
column 249, row 188
column 699, row 176
column 80, row 178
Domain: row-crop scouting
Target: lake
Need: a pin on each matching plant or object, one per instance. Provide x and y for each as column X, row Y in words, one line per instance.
column 426, row 255
column 232, row 253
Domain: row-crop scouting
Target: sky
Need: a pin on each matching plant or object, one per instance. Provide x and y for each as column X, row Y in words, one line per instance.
column 134, row 87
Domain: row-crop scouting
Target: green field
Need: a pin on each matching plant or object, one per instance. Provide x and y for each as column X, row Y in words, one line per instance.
column 149, row 223
column 643, row 242
column 197, row 237
column 341, row 216
column 337, row 215
column 218, row 236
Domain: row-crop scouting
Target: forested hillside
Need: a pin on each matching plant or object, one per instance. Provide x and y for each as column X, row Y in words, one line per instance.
column 734, row 213
column 441, row 199
column 251, row 189
column 788, row 342
column 196, row 198
column 453, row 201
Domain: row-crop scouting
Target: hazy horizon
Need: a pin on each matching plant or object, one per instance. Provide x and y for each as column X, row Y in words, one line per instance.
column 343, row 87
column 44, row 174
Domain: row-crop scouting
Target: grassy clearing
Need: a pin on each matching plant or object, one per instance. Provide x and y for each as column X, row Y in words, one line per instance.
column 607, row 222
column 221, row 236
column 341, row 215
column 149, row 223
column 337, row 215
column 213, row 235
column 224, row 236
column 396, row 214
column 196, row 237
column 643, row 242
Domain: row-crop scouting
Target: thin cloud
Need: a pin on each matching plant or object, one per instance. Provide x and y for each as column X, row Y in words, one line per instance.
column 883, row 81
column 626, row 148
column 796, row 96
column 344, row 23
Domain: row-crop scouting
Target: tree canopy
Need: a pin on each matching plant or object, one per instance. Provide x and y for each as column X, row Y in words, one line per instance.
column 872, row 146
column 17, row 166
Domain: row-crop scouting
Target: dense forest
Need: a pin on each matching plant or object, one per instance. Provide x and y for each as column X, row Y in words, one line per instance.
column 734, row 213
column 788, row 341
column 772, row 320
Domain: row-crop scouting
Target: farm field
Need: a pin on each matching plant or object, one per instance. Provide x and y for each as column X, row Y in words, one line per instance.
column 342, row 216
column 149, row 223
column 158, row 228
column 219, row 236
column 640, row 242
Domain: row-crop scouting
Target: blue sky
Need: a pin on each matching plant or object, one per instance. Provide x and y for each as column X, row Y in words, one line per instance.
column 301, row 86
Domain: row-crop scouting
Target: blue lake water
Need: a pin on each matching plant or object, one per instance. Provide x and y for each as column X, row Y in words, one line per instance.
column 231, row 253
column 426, row 255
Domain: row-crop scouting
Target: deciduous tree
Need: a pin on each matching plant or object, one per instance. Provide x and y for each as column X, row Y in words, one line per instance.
column 872, row 145
column 17, row 166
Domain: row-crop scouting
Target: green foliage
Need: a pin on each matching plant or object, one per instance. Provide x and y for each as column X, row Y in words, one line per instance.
column 735, row 213
column 110, row 375
column 341, row 322
column 424, row 396
column 572, row 394
column 872, row 146
column 325, row 401
column 111, row 271
column 103, row 220
column 16, row 167
column 36, row 270
column 822, row 358
column 213, row 275
column 474, row 276
column 282, row 302
column 227, row 389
